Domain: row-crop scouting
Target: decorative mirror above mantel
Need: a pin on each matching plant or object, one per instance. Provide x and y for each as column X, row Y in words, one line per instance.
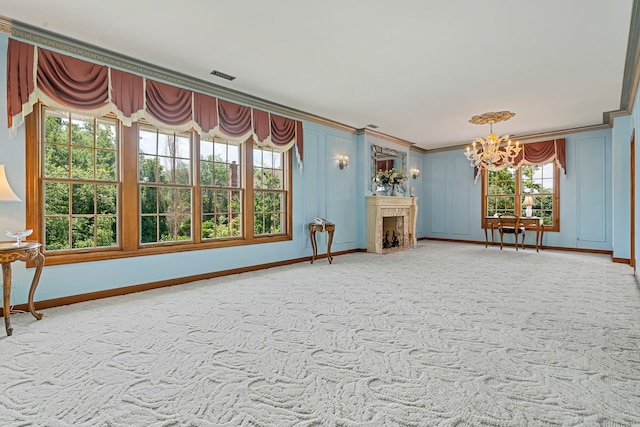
column 384, row 158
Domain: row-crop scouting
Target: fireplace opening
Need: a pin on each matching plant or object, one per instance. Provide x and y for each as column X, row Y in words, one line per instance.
column 393, row 232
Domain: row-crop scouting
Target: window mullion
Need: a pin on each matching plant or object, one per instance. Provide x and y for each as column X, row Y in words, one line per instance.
column 129, row 202
column 247, row 169
column 196, row 198
column 518, row 206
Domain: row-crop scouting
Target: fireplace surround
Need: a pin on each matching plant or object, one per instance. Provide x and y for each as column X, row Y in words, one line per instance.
column 391, row 223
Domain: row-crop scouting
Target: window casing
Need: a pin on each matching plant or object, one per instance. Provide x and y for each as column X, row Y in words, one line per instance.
column 503, row 191
column 167, row 192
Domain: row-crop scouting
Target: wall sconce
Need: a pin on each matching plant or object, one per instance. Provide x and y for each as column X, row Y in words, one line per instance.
column 415, row 173
column 6, row 193
column 343, row 161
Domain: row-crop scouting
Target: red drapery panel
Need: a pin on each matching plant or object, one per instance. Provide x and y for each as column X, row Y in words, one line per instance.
column 72, row 82
column 235, row 120
column 535, row 153
column 261, row 127
column 205, row 112
column 283, row 130
column 168, row 104
column 561, row 154
column 127, row 92
column 299, row 144
column 20, row 82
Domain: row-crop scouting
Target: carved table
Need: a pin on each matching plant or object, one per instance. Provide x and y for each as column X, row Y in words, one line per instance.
column 10, row 252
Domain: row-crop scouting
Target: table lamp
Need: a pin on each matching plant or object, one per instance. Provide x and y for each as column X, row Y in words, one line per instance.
column 528, row 203
column 6, row 193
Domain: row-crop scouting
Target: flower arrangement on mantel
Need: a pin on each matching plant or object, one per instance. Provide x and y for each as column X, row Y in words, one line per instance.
column 390, row 177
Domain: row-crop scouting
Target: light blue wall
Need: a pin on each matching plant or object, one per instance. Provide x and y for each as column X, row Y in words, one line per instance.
column 621, row 169
column 635, row 124
column 323, row 189
column 416, row 161
column 454, row 200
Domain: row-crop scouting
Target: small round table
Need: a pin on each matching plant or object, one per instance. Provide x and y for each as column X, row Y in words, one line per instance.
column 10, row 252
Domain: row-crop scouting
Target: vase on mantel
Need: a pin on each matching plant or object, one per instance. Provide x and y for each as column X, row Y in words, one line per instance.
column 394, row 189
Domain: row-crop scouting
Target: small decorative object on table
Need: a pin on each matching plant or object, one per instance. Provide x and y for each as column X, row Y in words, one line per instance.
column 19, row 235
column 391, row 180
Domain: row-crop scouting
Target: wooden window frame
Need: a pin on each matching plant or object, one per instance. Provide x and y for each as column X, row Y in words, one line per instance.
column 555, row 224
column 128, row 212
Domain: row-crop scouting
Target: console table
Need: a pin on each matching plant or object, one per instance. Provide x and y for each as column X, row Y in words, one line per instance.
column 491, row 222
column 10, row 252
column 313, row 228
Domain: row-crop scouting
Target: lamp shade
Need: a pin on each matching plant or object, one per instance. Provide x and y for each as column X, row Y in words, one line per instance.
column 6, row 193
column 528, row 201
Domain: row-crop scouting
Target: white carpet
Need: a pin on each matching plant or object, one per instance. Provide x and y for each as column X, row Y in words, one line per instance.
column 444, row 334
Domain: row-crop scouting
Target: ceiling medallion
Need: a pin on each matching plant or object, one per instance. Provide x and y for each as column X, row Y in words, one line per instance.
column 491, row 117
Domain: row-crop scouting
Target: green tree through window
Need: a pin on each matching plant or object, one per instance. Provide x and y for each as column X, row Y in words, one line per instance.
column 505, row 189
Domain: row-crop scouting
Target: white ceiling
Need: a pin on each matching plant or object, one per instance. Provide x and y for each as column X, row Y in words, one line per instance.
column 419, row 69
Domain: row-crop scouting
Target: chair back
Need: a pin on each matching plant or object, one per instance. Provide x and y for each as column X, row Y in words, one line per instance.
column 508, row 221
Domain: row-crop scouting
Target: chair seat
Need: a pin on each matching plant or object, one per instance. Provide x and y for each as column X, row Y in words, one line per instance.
column 512, row 230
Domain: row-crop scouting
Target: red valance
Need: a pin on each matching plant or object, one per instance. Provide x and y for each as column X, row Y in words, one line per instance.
column 535, row 153
column 72, row 84
column 168, row 104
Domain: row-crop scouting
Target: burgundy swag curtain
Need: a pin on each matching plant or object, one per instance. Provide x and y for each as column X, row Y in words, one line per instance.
column 69, row 83
column 536, row 153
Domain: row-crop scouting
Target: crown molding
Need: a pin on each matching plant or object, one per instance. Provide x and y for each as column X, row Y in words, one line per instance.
column 609, row 116
column 380, row 135
column 532, row 137
column 631, row 75
column 67, row 45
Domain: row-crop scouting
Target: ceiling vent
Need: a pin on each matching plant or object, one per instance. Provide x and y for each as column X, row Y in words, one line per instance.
column 222, row 75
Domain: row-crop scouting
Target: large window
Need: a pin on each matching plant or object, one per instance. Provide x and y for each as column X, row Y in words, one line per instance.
column 80, row 182
column 269, row 192
column 99, row 190
column 221, row 189
column 164, row 171
column 504, row 192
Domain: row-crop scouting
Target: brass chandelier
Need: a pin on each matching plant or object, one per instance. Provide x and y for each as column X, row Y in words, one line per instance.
column 494, row 152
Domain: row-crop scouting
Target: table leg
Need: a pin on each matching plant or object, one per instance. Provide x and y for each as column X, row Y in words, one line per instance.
column 329, row 246
column 314, row 245
column 34, row 284
column 6, row 284
column 486, row 236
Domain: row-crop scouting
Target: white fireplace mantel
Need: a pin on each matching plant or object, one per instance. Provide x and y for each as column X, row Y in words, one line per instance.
column 403, row 208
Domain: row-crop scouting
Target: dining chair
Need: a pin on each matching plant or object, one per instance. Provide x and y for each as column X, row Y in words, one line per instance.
column 510, row 224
